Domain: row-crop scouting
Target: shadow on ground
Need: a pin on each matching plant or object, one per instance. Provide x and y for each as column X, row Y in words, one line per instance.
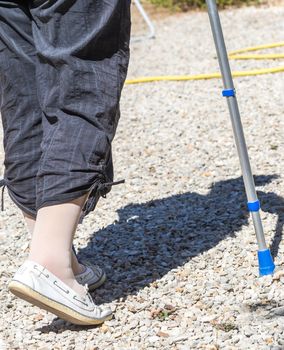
column 152, row 238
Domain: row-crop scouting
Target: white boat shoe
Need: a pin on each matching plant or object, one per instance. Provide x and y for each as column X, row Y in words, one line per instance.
column 93, row 276
column 35, row 284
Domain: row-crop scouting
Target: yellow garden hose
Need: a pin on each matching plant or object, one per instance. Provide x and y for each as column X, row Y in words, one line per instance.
column 256, row 48
column 235, row 55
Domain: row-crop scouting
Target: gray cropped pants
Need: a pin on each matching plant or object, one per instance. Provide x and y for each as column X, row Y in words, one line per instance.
column 63, row 64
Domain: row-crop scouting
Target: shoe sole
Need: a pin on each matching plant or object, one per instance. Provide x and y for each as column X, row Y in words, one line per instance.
column 28, row 294
column 96, row 285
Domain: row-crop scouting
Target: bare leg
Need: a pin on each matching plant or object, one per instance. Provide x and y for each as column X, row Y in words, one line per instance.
column 76, row 266
column 51, row 244
column 30, row 222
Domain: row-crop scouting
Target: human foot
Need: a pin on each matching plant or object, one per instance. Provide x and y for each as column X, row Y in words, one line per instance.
column 93, row 276
column 61, row 269
column 37, row 285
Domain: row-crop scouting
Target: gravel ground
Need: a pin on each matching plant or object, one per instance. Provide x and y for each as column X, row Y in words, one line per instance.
column 176, row 240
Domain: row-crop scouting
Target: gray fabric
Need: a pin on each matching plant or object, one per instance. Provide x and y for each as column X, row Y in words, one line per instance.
column 63, row 64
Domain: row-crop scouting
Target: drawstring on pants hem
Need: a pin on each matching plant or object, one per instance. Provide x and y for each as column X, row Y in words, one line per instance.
column 97, row 190
column 2, row 183
column 103, row 186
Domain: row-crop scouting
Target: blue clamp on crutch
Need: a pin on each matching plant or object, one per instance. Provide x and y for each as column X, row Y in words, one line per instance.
column 229, row 93
column 254, row 206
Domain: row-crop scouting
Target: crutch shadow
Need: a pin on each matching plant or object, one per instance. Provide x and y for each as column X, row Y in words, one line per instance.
column 150, row 239
column 274, row 204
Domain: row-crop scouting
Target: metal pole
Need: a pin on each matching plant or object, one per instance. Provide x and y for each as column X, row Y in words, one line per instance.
column 147, row 20
column 266, row 265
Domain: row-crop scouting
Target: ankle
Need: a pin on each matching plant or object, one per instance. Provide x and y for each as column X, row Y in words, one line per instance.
column 61, row 268
column 76, row 266
column 78, row 269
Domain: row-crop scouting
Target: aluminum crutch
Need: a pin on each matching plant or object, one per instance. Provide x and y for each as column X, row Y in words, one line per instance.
column 266, row 265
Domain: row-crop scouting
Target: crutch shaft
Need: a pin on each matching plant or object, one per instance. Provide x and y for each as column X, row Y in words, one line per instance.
column 229, row 92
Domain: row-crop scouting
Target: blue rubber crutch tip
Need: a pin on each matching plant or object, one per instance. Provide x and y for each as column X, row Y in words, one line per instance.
column 266, row 264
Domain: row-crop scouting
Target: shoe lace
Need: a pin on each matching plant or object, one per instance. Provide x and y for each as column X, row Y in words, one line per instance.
column 87, row 294
column 86, row 287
